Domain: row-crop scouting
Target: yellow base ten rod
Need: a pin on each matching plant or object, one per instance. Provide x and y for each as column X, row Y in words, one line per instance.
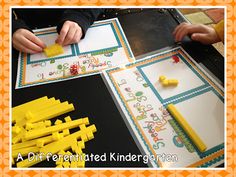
column 187, row 128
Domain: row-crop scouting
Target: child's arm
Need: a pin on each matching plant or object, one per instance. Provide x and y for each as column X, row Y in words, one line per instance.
column 219, row 28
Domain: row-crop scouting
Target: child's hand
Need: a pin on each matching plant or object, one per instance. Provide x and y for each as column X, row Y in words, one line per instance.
column 70, row 33
column 26, row 41
column 200, row 33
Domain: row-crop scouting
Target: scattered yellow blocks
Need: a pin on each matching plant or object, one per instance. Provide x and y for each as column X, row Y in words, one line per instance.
column 168, row 82
column 18, row 112
column 50, row 112
column 53, row 50
column 33, row 132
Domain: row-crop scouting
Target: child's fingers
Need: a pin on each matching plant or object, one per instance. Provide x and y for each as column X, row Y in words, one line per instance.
column 35, row 40
column 78, row 35
column 76, row 38
column 70, row 33
column 31, row 45
column 178, row 27
column 203, row 38
column 189, row 29
column 182, row 31
column 63, row 33
column 26, row 41
column 178, row 32
column 70, row 36
column 196, row 29
column 19, row 46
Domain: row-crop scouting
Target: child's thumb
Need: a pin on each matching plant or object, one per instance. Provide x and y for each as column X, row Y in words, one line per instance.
column 200, row 38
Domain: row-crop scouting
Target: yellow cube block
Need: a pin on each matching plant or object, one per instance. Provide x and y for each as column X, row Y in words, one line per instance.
column 173, row 82
column 53, row 50
column 165, row 83
column 73, row 164
column 66, row 132
column 28, row 126
column 56, row 136
column 16, row 129
column 40, row 143
column 68, row 119
column 66, row 164
column 162, row 78
column 59, row 166
column 58, row 121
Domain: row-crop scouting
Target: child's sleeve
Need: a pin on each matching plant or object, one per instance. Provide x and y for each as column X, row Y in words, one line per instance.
column 219, row 28
column 18, row 23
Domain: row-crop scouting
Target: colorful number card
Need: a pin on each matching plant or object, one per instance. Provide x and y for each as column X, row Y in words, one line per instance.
column 143, row 99
column 104, row 46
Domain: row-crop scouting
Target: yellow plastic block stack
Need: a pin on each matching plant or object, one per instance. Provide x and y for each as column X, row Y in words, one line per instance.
column 168, row 82
column 33, row 132
column 187, row 128
column 53, row 50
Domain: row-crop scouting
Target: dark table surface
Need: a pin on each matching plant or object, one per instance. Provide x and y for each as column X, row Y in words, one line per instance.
column 146, row 31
